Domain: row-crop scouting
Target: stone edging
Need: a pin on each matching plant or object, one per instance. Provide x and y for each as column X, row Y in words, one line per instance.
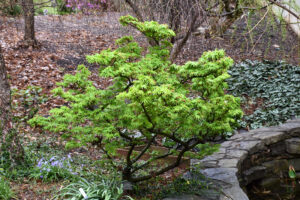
column 225, row 166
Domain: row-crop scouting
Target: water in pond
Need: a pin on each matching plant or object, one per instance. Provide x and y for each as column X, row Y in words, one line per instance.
column 274, row 189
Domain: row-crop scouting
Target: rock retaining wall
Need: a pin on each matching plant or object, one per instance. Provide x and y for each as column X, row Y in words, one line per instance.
column 252, row 155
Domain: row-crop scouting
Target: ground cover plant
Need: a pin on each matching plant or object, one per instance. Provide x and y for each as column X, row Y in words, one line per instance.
column 269, row 91
column 150, row 98
column 54, row 169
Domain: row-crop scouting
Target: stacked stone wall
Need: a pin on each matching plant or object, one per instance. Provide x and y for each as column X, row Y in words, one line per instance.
column 257, row 154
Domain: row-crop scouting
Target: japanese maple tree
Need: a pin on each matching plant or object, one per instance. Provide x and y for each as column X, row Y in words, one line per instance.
column 149, row 98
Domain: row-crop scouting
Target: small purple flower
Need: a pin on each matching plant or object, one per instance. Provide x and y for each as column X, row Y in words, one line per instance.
column 54, row 163
column 70, row 158
column 40, row 163
column 52, row 158
column 42, row 176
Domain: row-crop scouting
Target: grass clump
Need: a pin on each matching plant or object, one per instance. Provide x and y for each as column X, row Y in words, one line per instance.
column 104, row 189
column 6, row 192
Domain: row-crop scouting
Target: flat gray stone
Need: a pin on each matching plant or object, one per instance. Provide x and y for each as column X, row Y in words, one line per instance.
column 292, row 127
column 293, row 145
column 237, row 137
column 209, row 164
column 240, row 154
column 185, row 197
column 215, row 156
column 278, row 149
column 222, row 150
column 293, row 121
column 250, row 146
column 295, row 163
column 225, row 175
column 228, row 163
column 234, row 193
column 226, row 144
column 276, row 166
column 254, row 173
column 271, row 137
column 268, row 129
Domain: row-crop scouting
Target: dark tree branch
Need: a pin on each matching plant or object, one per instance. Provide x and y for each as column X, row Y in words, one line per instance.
column 147, row 115
column 124, row 135
column 144, row 149
column 135, row 10
column 169, row 136
column 128, row 160
column 109, row 158
column 151, row 160
column 179, row 45
column 163, row 170
column 129, row 82
column 285, row 8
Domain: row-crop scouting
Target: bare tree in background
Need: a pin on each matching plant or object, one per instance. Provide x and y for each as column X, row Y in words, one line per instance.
column 181, row 16
column 29, row 32
column 202, row 17
column 9, row 139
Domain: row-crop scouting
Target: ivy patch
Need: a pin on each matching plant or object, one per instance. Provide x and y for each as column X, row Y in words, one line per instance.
column 269, row 91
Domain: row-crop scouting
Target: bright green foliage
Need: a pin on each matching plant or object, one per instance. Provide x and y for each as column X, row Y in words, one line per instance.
column 292, row 173
column 152, row 29
column 270, row 90
column 149, row 97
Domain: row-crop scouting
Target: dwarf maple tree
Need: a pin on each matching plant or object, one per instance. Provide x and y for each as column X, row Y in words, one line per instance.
column 150, row 98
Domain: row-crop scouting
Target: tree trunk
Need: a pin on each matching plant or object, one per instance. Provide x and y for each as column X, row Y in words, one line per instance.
column 28, row 11
column 9, row 140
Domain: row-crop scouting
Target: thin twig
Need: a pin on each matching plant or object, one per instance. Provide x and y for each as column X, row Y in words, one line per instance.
column 285, row 8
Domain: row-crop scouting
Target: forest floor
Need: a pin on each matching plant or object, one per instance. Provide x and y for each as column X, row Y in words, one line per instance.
column 66, row 40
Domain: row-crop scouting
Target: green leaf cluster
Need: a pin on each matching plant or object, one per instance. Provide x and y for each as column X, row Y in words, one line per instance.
column 148, row 97
column 275, row 84
column 103, row 190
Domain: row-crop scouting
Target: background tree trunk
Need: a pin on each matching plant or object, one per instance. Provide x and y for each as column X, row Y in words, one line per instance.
column 28, row 11
column 9, row 140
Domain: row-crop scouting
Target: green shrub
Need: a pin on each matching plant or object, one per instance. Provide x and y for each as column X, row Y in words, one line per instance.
column 149, row 98
column 269, row 90
column 5, row 191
